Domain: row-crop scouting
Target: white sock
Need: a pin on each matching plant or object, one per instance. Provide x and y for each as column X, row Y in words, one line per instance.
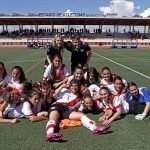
column 50, row 127
column 88, row 123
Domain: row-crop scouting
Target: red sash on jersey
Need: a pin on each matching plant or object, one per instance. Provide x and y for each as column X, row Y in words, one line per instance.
column 71, row 103
column 115, row 107
column 60, row 74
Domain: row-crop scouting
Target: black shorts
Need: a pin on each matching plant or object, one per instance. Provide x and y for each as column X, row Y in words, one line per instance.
column 62, row 109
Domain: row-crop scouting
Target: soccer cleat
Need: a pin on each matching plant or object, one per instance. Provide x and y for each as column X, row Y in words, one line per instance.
column 102, row 129
column 53, row 137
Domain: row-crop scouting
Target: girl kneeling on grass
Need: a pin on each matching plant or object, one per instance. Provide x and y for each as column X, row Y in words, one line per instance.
column 65, row 108
column 56, row 72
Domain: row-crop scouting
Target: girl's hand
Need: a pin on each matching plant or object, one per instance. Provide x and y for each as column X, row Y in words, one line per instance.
column 103, row 118
column 107, row 122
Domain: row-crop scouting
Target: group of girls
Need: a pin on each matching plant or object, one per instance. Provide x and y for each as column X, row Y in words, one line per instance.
column 62, row 95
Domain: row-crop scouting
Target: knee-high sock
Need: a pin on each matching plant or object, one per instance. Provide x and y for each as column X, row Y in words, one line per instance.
column 50, row 127
column 88, row 123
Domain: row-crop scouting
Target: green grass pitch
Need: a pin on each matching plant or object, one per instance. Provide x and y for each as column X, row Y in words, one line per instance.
column 129, row 134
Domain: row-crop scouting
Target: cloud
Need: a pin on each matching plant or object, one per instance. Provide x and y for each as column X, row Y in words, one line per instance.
column 121, row 7
column 145, row 13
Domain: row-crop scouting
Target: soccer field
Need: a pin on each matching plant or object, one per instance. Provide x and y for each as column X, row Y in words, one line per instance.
column 131, row 64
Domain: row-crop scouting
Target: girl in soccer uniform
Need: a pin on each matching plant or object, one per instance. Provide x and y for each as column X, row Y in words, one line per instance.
column 9, row 110
column 32, row 107
column 17, row 79
column 118, row 87
column 108, row 77
column 19, row 108
column 64, row 108
column 56, row 73
column 55, row 49
column 77, row 75
column 89, row 105
column 139, row 101
column 115, row 104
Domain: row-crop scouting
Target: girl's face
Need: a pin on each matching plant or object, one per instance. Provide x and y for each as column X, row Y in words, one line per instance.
column 59, row 42
column 104, row 94
column 74, row 88
column 91, row 75
column 134, row 90
column 15, row 74
column 106, row 75
column 35, row 99
column 118, row 85
column 88, row 103
column 56, row 61
column 45, row 89
column 84, row 90
column 1, row 70
column 78, row 74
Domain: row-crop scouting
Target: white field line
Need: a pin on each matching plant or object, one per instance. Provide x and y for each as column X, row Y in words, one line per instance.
column 32, row 54
column 122, row 66
column 34, row 66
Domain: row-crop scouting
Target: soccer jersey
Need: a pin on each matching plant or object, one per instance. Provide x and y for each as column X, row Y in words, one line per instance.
column 70, row 99
column 61, row 73
column 30, row 111
column 15, row 84
column 21, row 110
column 14, row 110
column 105, row 83
column 94, row 90
column 117, row 102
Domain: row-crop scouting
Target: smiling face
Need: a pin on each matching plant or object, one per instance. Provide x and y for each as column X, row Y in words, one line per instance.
column 134, row 90
column 78, row 74
column 104, row 94
column 76, row 43
column 106, row 74
column 84, row 90
column 34, row 99
column 16, row 74
column 74, row 88
column 58, row 42
column 118, row 85
column 56, row 61
column 88, row 103
column 45, row 89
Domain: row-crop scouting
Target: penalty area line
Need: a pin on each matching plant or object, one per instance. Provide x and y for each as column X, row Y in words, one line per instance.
column 122, row 65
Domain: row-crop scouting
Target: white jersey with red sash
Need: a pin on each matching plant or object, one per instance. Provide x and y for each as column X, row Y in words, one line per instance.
column 117, row 101
column 61, row 73
column 94, row 90
column 70, row 99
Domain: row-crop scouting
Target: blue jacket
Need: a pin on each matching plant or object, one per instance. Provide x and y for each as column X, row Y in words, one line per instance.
column 144, row 95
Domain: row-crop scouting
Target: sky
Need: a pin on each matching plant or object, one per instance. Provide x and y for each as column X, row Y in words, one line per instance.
column 121, row 7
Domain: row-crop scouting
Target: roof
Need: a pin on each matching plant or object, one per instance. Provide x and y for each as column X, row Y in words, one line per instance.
column 71, row 20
